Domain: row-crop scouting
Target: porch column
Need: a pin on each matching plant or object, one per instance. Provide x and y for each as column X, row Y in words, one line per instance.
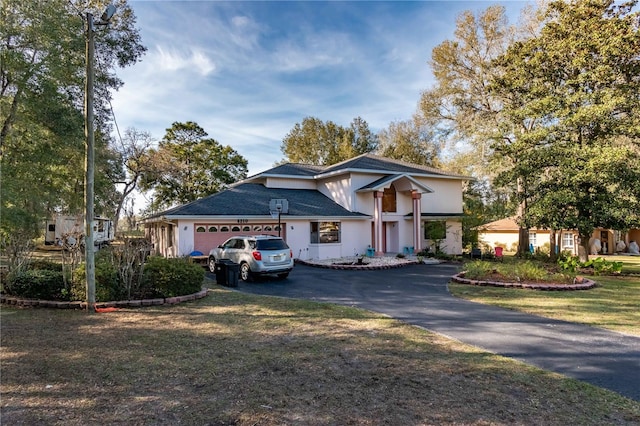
column 417, row 221
column 377, row 222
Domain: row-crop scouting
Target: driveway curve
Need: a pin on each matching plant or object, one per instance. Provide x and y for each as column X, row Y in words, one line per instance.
column 418, row 295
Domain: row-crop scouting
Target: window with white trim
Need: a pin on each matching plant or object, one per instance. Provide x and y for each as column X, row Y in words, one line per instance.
column 567, row 239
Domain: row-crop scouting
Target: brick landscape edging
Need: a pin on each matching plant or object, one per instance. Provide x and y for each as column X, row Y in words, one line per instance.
column 584, row 285
column 18, row 301
column 358, row 267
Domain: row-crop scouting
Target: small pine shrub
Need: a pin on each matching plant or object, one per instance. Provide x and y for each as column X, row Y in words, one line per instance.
column 172, row 277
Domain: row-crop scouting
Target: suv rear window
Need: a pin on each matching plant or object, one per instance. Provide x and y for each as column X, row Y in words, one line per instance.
column 275, row 244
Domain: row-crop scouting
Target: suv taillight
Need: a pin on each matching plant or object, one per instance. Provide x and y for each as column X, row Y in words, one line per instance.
column 257, row 255
column 291, row 253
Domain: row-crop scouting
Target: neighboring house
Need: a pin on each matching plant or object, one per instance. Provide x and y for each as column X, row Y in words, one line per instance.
column 504, row 233
column 365, row 205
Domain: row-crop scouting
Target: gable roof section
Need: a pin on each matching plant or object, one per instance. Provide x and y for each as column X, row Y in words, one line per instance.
column 374, row 163
column 507, row 224
column 294, row 169
column 251, row 199
column 384, row 182
column 363, row 163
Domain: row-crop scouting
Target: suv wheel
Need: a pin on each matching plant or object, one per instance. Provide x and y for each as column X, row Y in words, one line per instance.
column 212, row 264
column 245, row 272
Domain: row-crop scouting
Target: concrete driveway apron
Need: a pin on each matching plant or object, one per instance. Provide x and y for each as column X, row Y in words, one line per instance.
column 418, row 295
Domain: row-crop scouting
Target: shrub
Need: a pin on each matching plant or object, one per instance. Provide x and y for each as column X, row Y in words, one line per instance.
column 599, row 265
column 172, row 277
column 107, row 285
column 478, row 269
column 45, row 265
column 37, row 284
column 519, row 271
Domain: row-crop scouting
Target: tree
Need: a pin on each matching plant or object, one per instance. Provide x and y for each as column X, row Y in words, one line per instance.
column 325, row 143
column 42, row 67
column 465, row 112
column 132, row 153
column 410, row 141
column 579, row 80
column 187, row 165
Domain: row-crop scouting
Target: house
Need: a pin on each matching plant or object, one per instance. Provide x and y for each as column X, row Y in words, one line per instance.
column 504, row 233
column 366, row 205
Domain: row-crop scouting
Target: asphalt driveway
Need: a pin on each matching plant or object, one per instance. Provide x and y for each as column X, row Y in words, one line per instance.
column 418, row 295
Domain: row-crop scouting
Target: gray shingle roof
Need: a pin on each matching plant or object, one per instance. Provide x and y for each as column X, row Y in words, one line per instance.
column 251, row 199
column 374, row 162
column 295, row 169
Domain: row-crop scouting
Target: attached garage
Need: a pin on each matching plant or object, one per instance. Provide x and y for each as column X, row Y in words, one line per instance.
column 209, row 235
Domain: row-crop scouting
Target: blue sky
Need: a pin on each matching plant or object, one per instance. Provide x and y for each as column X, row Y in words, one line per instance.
column 247, row 72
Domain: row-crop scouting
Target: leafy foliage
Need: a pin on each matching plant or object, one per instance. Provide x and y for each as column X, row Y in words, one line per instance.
column 325, row 143
column 524, row 270
column 108, row 287
column 42, row 51
column 410, row 141
column 578, row 80
column 173, row 277
column 187, row 165
column 599, row 265
column 43, row 284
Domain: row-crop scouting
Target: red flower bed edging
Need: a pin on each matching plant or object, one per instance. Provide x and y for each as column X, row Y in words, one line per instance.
column 586, row 284
column 18, row 301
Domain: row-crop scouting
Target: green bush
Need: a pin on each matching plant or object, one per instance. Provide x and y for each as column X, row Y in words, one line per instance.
column 45, row 265
column 107, row 286
column 519, row 271
column 37, row 284
column 599, row 265
column 172, row 277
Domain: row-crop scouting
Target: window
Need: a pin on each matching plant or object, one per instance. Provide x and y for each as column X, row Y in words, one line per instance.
column 213, row 229
column 567, row 240
column 267, row 228
column 435, row 230
column 533, row 239
column 170, row 236
column 325, row 232
column 200, row 229
column 224, row 229
column 246, row 228
column 235, row 229
column 257, row 228
column 271, row 244
column 389, row 200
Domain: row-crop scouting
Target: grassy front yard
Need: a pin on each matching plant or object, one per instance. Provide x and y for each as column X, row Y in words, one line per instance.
column 614, row 304
column 237, row 359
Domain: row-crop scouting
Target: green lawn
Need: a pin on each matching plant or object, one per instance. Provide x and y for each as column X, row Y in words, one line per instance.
column 614, row 304
column 238, row 359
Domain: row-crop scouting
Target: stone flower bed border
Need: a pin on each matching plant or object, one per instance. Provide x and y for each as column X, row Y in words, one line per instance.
column 18, row 301
column 355, row 266
column 586, row 284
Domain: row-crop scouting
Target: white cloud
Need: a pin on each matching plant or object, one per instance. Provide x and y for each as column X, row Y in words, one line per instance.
column 172, row 60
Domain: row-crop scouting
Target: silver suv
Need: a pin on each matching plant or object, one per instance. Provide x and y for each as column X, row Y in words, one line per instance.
column 256, row 254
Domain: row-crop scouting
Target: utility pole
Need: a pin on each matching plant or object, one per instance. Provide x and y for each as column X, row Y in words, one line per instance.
column 89, row 165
